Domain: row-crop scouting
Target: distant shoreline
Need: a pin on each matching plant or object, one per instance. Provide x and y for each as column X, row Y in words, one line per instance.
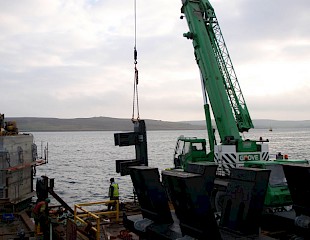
column 31, row 124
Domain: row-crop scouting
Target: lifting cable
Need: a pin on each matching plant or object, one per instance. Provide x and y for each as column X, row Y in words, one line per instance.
column 136, row 75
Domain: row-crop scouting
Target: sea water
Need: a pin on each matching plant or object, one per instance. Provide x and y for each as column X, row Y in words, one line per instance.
column 82, row 163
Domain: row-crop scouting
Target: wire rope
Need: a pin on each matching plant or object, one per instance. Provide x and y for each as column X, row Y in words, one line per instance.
column 136, row 73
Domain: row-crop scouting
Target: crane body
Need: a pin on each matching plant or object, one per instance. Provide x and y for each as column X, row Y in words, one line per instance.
column 221, row 87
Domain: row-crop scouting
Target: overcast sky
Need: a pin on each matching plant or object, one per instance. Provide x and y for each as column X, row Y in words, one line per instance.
column 69, row 59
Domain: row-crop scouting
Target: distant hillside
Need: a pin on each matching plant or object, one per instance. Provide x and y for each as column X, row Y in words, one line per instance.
column 31, row 124
column 265, row 123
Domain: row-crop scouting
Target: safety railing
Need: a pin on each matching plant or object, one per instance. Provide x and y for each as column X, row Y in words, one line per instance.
column 84, row 214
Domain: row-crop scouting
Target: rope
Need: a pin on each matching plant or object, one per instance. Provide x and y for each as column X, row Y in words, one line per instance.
column 135, row 102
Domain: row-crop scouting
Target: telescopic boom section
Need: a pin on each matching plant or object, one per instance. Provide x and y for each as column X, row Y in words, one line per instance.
column 220, row 81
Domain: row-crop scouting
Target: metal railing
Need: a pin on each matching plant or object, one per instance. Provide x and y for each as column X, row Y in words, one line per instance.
column 86, row 214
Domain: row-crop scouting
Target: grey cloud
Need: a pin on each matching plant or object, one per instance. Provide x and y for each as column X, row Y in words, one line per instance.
column 66, row 60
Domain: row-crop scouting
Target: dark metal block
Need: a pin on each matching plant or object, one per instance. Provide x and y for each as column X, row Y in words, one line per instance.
column 298, row 177
column 122, row 166
column 244, row 200
column 151, row 194
column 136, row 138
column 192, row 204
column 125, row 139
column 249, row 174
column 207, row 170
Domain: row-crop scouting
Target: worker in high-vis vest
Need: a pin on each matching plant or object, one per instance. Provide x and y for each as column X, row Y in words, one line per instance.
column 113, row 193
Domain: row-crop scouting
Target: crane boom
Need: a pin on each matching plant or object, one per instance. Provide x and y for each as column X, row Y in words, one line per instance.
column 219, row 77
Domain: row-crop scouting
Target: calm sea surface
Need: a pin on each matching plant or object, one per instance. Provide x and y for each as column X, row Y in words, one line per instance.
column 83, row 162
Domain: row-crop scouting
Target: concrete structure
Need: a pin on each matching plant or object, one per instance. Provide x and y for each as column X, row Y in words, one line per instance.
column 18, row 155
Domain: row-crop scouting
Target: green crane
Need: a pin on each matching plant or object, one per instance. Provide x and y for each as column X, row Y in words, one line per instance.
column 219, row 79
column 221, row 92
column 220, row 85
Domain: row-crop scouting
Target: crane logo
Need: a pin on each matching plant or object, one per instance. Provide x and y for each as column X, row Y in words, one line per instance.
column 249, row 157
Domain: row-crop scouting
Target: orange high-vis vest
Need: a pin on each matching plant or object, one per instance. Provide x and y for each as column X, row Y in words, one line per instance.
column 40, row 207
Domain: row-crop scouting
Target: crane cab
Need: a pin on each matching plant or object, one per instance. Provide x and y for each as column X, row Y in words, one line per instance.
column 189, row 150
